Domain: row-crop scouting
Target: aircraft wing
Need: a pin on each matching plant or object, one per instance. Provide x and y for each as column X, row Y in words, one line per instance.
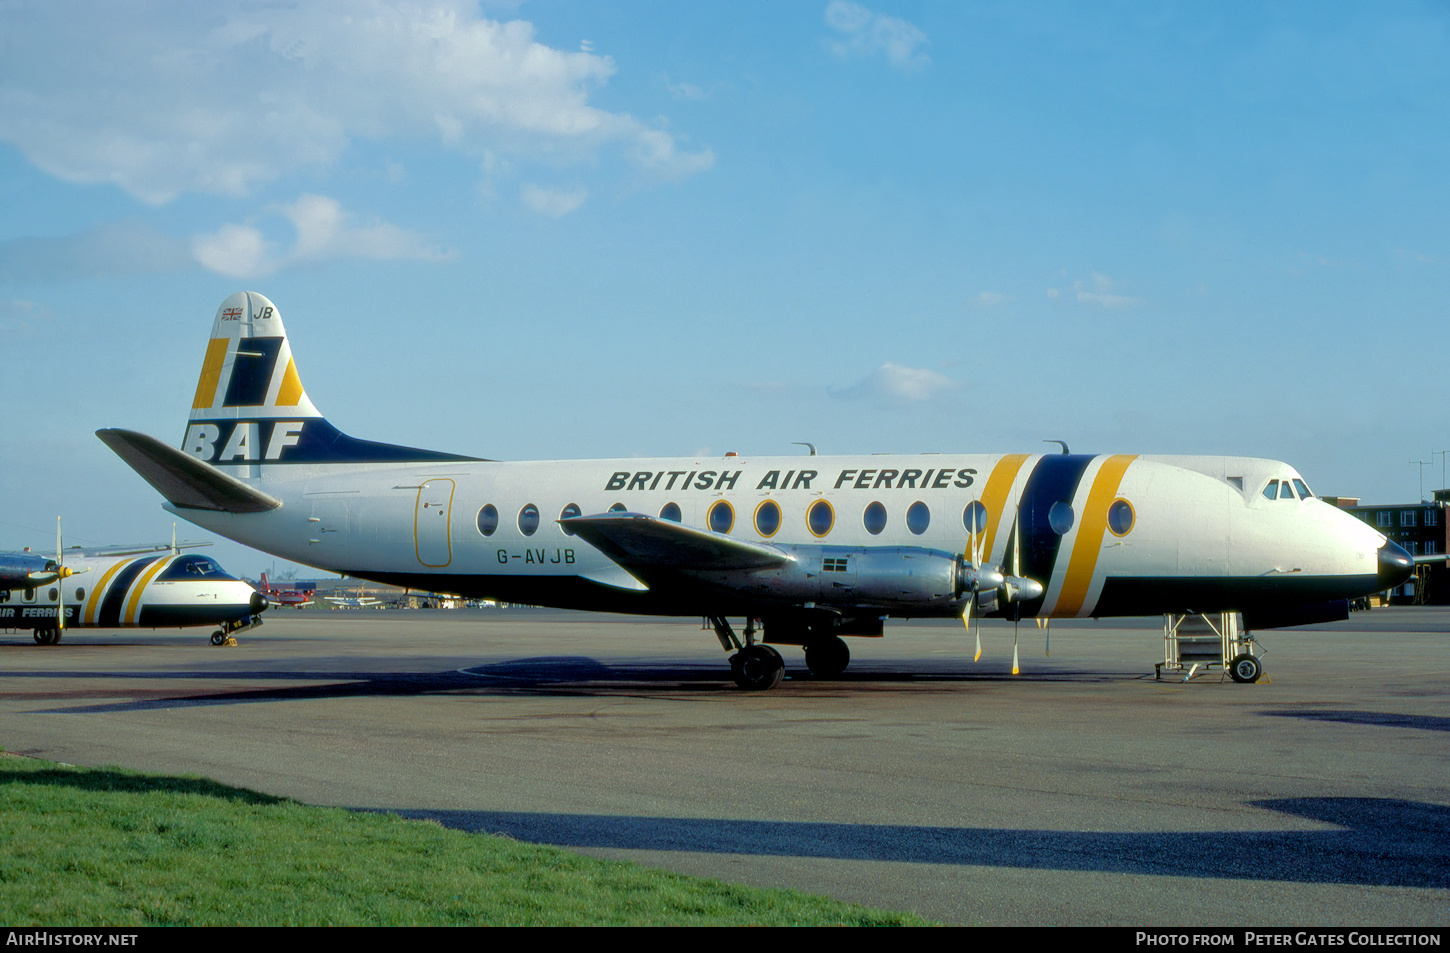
column 184, row 480
column 635, row 540
column 137, row 550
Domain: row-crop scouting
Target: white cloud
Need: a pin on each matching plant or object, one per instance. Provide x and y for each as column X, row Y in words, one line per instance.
column 552, row 202
column 1100, row 293
column 988, row 299
column 685, row 90
column 168, row 97
column 105, row 251
column 895, row 385
column 323, row 231
column 1107, row 300
column 863, row 33
column 20, row 319
column 1418, row 257
column 240, row 251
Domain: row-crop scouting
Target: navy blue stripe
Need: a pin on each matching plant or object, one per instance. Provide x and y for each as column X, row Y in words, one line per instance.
column 1054, row 479
column 115, row 597
column 252, row 375
column 317, row 441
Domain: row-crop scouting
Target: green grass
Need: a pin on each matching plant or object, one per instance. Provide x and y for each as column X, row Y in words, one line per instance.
column 108, row 846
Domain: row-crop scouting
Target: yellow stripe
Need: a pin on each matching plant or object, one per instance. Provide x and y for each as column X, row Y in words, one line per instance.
column 1090, row 531
column 89, row 617
column 995, row 493
column 290, row 393
column 129, row 616
column 211, row 372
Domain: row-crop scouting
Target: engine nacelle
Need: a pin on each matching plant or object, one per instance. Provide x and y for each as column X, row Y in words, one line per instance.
column 887, row 578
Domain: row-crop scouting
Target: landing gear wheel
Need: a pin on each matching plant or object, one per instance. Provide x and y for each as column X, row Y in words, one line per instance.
column 828, row 658
column 1245, row 668
column 757, row 668
column 47, row 636
column 218, row 637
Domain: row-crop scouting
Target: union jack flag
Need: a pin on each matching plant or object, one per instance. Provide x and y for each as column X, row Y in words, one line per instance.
column 231, row 314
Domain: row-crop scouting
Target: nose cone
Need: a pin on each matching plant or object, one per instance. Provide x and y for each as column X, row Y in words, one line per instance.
column 259, row 602
column 1396, row 566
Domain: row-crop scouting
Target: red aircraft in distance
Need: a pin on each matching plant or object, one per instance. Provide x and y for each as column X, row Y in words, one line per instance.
column 294, row 597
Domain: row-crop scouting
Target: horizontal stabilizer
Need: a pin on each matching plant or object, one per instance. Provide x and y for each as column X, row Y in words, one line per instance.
column 634, row 539
column 184, row 480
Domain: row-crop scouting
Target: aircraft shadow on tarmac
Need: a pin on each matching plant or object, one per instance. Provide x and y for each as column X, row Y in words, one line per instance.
column 1383, row 719
column 1382, row 842
column 550, row 675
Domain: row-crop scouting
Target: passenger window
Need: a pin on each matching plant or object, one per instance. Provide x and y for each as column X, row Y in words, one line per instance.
column 874, row 518
column 671, row 512
column 571, row 510
column 974, row 517
column 618, row 508
column 767, row 518
column 820, row 518
column 529, row 520
column 918, row 517
column 488, row 519
column 1060, row 517
column 1120, row 517
column 721, row 516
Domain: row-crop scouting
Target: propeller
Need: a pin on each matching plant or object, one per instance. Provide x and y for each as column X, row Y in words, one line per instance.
column 1013, row 588
column 1017, row 588
column 61, row 573
column 975, row 579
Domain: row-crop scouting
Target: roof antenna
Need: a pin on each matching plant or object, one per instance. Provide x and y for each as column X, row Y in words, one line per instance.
column 802, row 443
column 1060, row 443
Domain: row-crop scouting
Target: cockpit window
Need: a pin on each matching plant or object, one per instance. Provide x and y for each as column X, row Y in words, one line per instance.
column 194, row 568
column 1272, row 490
column 1304, row 493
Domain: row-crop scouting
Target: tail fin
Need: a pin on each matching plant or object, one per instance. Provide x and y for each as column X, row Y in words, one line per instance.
column 251, row 412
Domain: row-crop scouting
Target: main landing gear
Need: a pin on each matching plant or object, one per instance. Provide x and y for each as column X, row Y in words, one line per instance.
column 47, row 636
column 827, row 657
column 755, row 667
column 758, row 667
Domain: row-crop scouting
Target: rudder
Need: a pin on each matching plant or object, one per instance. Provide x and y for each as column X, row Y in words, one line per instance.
column 250, row 409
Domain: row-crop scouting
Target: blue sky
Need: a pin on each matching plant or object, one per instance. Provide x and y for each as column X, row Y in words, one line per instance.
column 559, row 229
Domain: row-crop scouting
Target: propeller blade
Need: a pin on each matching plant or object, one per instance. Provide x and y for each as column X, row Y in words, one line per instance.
column 60, row 579
column 1015, row 669
column 1017, row 544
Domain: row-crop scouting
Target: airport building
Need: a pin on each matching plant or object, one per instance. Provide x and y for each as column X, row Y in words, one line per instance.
column 1421, row 529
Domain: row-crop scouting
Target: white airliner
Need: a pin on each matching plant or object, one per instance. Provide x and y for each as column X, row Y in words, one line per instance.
column 153, row 590
column 814, row 547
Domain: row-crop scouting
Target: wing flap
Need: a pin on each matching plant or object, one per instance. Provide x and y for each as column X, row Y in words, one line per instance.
column 184, row 480
column 648, row 542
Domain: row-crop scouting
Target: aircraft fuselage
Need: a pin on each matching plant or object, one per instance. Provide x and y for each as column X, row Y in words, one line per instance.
column 1191, row 538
